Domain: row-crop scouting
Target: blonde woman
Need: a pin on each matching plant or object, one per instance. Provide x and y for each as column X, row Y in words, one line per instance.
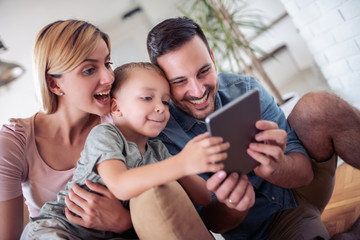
column 38, row 154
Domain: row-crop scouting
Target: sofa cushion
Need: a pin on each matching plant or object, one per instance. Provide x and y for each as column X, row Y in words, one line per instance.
column 166, row 212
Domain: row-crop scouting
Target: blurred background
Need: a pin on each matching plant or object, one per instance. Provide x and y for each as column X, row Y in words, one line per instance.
column 314, row 44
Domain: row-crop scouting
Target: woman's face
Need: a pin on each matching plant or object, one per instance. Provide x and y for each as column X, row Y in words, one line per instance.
column 87, row 87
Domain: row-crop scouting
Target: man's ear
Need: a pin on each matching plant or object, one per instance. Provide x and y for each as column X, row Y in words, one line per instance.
column 114, row 108
column 212, row 58
column 52, row 84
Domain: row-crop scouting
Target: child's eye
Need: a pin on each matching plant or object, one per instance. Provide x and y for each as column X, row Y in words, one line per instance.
column 165, row 103
column 147, row 98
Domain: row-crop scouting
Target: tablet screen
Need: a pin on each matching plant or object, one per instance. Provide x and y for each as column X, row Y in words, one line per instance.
column 235, row 122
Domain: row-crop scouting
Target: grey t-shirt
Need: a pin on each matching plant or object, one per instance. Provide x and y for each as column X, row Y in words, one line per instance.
column 104, row 142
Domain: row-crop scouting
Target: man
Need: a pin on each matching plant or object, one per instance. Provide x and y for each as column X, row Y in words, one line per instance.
column 328, row 125
column 180, row 48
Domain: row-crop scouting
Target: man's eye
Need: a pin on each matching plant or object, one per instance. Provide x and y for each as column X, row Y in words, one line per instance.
column 205, row 71
column 108, row 64
column 177, row 82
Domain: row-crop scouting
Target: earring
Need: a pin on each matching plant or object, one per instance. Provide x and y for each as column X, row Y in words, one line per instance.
column 61, row 93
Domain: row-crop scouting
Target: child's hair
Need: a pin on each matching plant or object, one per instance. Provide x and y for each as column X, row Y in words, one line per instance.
column 122, row 72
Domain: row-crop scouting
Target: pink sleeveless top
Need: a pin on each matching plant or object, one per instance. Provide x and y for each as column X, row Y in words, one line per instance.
column 23, row 171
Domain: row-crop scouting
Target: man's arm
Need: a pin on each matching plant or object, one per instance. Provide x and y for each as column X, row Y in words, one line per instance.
column 235, row 196
column 195, row 187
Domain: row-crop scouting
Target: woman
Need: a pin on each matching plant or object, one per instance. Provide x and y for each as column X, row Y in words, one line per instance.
column 38, row 154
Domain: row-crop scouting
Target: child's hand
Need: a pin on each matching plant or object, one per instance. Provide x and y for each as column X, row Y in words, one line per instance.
column 204, row 154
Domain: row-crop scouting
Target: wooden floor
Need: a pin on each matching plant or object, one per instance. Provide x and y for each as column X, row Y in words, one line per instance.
column 344, row 206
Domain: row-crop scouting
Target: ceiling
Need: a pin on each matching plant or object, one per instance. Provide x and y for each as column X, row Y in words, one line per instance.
column 21, row 20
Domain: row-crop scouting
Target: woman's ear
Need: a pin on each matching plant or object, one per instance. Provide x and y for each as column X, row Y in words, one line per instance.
column 114, row 108
column 52, row 84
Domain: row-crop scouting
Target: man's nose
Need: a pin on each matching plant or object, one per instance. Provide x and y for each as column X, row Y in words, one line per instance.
column 196, row 88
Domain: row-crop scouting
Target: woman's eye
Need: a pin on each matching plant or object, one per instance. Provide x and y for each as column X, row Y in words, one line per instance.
column 89, row 71
column 108, row 64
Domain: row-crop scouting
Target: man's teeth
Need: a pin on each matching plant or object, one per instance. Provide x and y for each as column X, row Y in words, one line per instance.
column 200, row 101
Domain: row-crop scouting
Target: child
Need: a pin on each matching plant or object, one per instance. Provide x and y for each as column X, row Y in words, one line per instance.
column 122, row 157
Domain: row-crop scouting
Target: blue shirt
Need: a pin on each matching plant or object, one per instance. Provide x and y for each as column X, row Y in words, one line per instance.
column 269, row 198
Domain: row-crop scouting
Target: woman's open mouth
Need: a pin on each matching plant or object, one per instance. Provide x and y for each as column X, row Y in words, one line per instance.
column 103, row 97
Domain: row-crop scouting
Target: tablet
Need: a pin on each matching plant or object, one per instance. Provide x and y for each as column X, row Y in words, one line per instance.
column 235, row 122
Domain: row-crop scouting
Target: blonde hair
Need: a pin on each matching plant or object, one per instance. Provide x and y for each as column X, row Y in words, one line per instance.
column 122, row 72
column 59, row 48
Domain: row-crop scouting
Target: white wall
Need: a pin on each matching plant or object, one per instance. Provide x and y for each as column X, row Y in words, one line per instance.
column 284, row 32
column 332, row 33
column 287, row 64
column 21, row 20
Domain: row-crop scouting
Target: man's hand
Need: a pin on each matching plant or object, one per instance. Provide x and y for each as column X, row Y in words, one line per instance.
column 100, row 211
column 234, row 191
column 269, row 153
column 289, row 171
column 235, row 196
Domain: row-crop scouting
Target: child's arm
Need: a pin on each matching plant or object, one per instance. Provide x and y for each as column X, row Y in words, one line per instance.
column 195, row 187
column 200, row 155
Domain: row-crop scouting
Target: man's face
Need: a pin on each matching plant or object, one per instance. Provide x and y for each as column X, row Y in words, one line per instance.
column 193, row 79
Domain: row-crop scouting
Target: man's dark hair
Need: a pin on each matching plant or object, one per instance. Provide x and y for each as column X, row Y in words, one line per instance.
column 171, row 34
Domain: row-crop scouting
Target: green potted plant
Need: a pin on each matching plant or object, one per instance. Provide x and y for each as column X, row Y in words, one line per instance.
column 222, row 22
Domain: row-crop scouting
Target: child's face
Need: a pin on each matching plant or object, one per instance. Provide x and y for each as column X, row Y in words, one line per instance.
column 143, row 102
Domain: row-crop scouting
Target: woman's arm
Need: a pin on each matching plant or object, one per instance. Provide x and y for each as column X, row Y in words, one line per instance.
column 11, row 218
column 13, row 171
column 195, row 187
column 100, row 210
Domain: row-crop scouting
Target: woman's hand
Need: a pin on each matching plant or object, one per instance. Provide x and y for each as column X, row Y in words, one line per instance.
column 101, row 211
